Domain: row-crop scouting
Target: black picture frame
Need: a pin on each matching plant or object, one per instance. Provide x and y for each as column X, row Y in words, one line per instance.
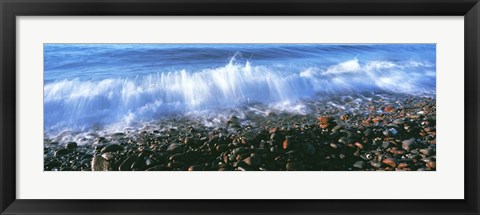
column 10, row 9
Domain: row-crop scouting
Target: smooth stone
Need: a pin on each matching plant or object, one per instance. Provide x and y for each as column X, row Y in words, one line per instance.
column 239, row 150
column 432, row 165
column 149, row 162
column 337, row 128
column 343, row 140
column 252, row 161
column 426, row 151
column 53, row 164
column 100, row 164
column 221, row 148
column 376, row 164
column 61, row 152
column 71, row 145
column 385, row 144
column 195, row 168
column 127, row 163
column 286, row 144
column 175, row 164
column 99, row 147
column 193, row 142
column 359, row 164
column 175, row 148
column 387, row 133
column 389, row 109
column 291, row 167
column 309, row 149
column 139, row 164
column 178, row 157
column 408, row 144
column 333, row 145
column 107, row 156
column 112, row 148
column 367, row 132
column 390, row 162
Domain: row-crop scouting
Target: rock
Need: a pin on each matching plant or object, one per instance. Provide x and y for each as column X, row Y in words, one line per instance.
column 178, row 157
column 390, row 132
column 273, row 130
column 175, row 148
column 359, row 164
column 99, row 147
column 53, row 164
column 71, row 145
column 149, row 162
column 408, row 144
column 221, row 148
column 112, row 148
column 389, row 109
column 127, row 163
column 100, row 164
column 325, row 121
column 107, row 156
column 344, row 140
column 337, row 128
column 333, row 145
column 139, row 164
column 195, row 168
column 239, row 151
column 192, row 142
column 426, row 151
column 376, row 164
column 158, row 168
column 61, row 152
column 390, row 162
column 309, row 149
column 286, row 144
column 291, row 167
column 359, row 145
column 368, row 132
column 101, row 140
column 175, row 164
column 252, row 161
column 385, row 144
column 399, row 121
column 432, row 165
column 397, row 151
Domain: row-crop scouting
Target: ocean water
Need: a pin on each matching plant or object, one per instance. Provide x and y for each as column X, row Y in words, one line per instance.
column 90, row 86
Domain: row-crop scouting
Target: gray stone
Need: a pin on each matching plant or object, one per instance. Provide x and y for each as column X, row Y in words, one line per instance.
column 100, row 164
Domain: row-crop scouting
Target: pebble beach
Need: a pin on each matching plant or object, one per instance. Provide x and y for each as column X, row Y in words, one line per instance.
column 370, row 131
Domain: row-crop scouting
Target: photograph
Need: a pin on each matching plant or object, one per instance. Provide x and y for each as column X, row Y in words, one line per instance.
column 239, row 107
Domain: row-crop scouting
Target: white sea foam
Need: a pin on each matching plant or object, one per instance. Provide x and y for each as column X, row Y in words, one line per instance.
column 83, row 104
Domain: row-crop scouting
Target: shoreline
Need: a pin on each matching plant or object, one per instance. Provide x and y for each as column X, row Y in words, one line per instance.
column 386, row 133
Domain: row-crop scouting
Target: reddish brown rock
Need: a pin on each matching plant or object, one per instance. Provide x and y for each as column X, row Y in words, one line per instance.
column 390, row 162
column 286, row 144
column 432, row 165
column 273, row 130
column 325, row 121
column 195, row 168
column 389, row 109
column 359, row 145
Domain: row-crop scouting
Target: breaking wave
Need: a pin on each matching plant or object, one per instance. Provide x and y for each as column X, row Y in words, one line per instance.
column 82, row 103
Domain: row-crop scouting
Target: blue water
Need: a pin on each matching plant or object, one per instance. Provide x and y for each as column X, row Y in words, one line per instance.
column 101, row 84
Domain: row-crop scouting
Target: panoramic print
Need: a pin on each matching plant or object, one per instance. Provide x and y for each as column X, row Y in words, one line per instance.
column 239, row 107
